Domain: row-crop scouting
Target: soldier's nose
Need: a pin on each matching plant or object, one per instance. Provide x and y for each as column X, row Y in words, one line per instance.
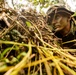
column 53, row 22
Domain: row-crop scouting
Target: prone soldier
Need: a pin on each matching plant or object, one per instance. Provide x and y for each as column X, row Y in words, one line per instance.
column 63, row 23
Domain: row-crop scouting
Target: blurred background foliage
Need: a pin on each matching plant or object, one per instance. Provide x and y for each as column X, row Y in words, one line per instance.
column 37, row 5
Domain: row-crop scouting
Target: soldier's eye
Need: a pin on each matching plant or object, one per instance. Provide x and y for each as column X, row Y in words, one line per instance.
column 57, row 17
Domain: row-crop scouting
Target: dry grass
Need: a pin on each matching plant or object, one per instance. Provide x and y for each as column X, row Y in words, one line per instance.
column 28, row 47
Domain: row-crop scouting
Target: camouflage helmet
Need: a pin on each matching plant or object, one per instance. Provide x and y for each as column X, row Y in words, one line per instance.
column 57, row 9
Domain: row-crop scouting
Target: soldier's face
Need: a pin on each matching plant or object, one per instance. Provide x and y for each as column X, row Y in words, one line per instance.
column 59, row 22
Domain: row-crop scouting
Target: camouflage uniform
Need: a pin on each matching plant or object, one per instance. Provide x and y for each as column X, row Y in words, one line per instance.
column 72, row 34
column 70, row 37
